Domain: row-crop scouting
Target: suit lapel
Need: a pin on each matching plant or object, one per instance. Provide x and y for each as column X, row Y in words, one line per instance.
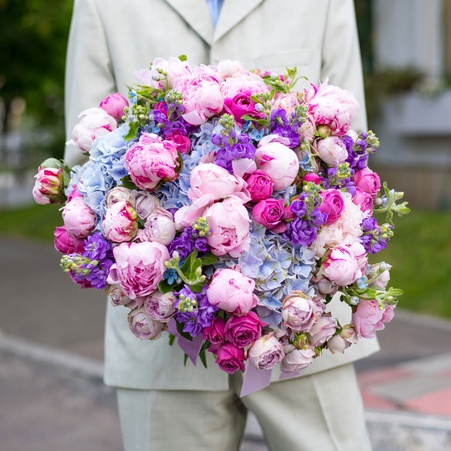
column 196, row 14
column 233, row 12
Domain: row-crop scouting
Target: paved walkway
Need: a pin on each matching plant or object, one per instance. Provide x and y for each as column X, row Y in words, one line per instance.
column 51, row 349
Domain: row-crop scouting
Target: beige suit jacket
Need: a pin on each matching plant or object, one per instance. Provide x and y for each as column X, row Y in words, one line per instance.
column 110, row 39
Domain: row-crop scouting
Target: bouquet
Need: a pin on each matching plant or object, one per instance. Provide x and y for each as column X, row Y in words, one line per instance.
column 226, row 208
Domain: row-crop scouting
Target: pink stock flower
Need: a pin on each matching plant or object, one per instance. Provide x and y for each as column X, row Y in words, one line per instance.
column 300, row 312
column 142, row 326
column 333, row 204
column 49, row 186
column 160, row 226
column 120, row 222
column 230, row 358
column 67, row 244
column 78, row 218
column 367, row 181
column 240, row 105
column 369, row 318
column 296, row 360
column 270, row 213
column 232, row 292
column 94, row 122
column 139, row 267
column 279, row 162
column 151, row 161
column 260, row 185
column 114, row 105
column 266, row 352
column 229, row 227
column 211, row 179
column 332, row 150
column 159, row 306
column 363, row 200
column 202, row 99
column 181, row 142
column 322, row 330
column 344, row 264
column 241, row 331
column 332, row 106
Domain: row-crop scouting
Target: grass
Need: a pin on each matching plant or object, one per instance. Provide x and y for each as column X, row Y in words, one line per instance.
column 420, row 252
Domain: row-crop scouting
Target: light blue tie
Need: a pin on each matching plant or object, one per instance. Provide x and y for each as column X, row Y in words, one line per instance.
column 215, row 8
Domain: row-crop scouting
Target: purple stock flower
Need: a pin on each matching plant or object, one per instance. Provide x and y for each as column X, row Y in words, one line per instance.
column 183, row 244
column 298, row 208
column 301, row 232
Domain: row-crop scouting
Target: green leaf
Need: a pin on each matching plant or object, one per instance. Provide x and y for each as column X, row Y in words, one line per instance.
column 197, row 288
column 171, row 339
column 208, row 259
column 164, row 286
column 127, row 183
column 183, row 57
column 133, row 129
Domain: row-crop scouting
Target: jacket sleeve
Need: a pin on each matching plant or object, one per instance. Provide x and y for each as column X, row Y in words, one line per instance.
column 89, row 75
column 341, row 55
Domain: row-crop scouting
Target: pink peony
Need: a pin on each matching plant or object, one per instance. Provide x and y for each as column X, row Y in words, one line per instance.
column 278, row 161
column 230, row 358
column 369, row 318
column 270, row 213
column 160, row 226
column 332, row 150
column 66, row 243
column 241, row 331
column 368, row 181
column 139, row 267
column 333, row 204
column 332, row 106
column 300, row 312
column 343, row 264
column 142, row 326
column 229, row 227
column 266, row 352
column 296, row 360
column 260, row 185
column 49, row 186
column 232, row 292
column 159, row 306
column 78, row 218
column 363, row 200
column 144, row 203
column 287, row 101
column 120, row 222
column 94, row 122
column 114, row 105
column 151, row 161
column 117, row 194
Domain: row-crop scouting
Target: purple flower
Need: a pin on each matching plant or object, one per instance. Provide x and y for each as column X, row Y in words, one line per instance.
column 298, row 208
column 301, row 232
column 183, row 244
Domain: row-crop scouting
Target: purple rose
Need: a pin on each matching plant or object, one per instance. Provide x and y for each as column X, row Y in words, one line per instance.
column 159, row 306
column 322, row 330
column 142, row 326
column 243, row 330
column 299, row 312
column 296, row 360
column 230, row 358
column 266, row 352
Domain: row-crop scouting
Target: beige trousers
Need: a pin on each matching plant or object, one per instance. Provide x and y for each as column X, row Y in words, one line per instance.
column 321, row 412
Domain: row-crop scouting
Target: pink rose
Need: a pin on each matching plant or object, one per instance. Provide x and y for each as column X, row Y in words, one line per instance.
column 117, row 296
column 299, row 312
column 241, row 331
column 240, row 105
column 181, row 142
column 230, row 359
column 363, row 200
column 270, row 213
column 313, row 178
column 142, row 326
column 266, row 352
column 120, row 222
column 151, row 161
column 215, row 334
column 114, row 105
column 343, row 264
column 118, row 194
column 342, row 341
column 144, row 203
column 202, row 99
column 78, row 218
column 367, row 181
column 333, row 204
column 67, row 244
column 159, row 306
column 260, row 185
column 279, row 162
column 160, row 226
column 94, row 122
column 49, row 186
column 332, row 150
column 232, row 292
column 296, row 360
column 369, row 318
column 322, row 330
column 229, row 227
column 332, row 106
column 139, row 267
column 213, row 180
